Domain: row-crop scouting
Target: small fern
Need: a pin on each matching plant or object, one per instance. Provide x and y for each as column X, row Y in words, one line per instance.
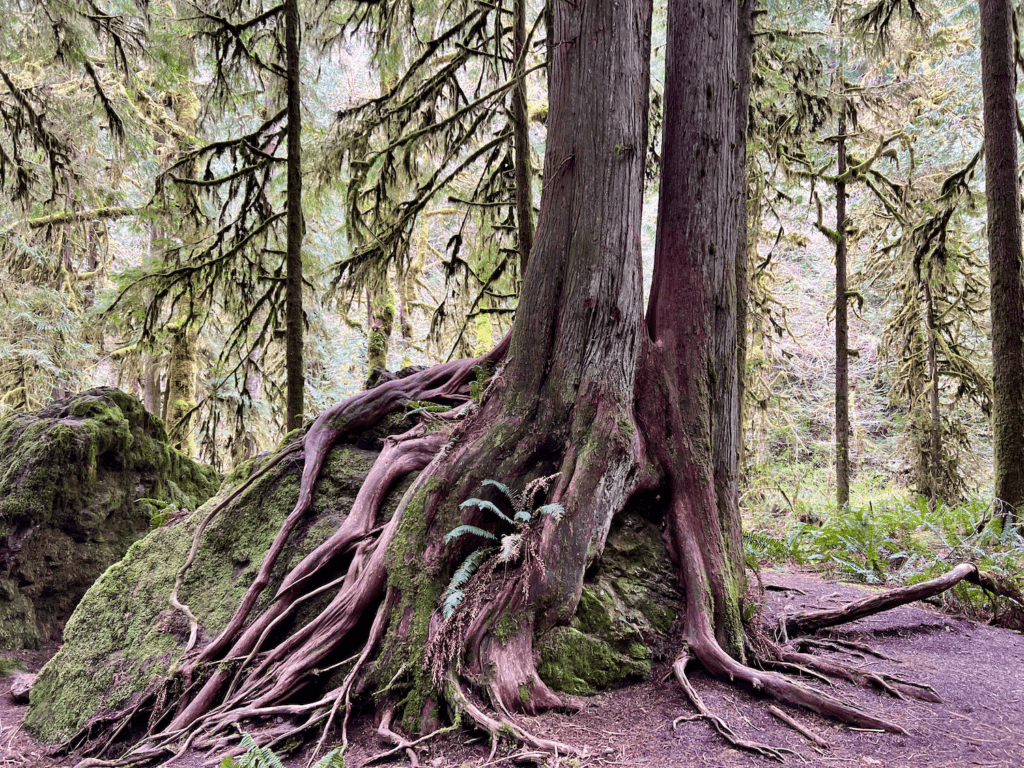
column 469, row 530
column 509, row 545
column 256, row 756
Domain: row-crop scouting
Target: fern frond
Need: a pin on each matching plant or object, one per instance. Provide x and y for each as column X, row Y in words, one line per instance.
column 510, row 546
column 463, row 530
column 466, row 570
column 522, row 518
column 451, row 602
column 508, row 492
column 487, row 506
column 554, row 509
column 333, row 759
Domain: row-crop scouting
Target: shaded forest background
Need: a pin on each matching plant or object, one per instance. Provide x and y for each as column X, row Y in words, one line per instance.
column 144, row 243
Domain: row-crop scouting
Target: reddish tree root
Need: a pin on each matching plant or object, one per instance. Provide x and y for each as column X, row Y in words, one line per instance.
column 799, row 727
column 723, row 729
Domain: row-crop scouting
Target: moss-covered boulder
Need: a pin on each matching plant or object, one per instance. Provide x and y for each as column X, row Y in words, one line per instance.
column 623, row 620
column 124, row 634
column 125, row 637
column 71, row 477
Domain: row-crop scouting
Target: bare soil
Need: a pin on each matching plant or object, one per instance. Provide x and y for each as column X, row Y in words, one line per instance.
column 977, row 669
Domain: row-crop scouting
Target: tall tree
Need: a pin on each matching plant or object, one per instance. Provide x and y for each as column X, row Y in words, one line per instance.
column 842, row 318
column 294, row 320
column 1002, row 189
column 595, row 403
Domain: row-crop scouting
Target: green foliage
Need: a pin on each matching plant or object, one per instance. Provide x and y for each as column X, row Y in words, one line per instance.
column 509, row 544
column 898, row 542
column 163, row 512
column 10, row 666
column 264, row 757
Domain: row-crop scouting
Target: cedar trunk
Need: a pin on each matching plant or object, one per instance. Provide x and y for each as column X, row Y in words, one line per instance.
column 1002, row 188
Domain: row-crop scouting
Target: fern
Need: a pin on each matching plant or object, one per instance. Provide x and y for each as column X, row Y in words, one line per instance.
column 263, row 757
column 487, row 506
column 555, row 510
column 464, row 530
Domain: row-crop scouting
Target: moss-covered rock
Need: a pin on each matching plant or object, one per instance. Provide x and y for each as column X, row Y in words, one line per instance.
column 71, row 477
column 124, row 635
column 623, row 620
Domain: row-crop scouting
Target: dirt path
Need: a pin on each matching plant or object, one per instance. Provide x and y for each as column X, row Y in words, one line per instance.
column 978, row 670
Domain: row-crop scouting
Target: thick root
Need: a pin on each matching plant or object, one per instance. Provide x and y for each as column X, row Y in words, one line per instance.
column 723, row 729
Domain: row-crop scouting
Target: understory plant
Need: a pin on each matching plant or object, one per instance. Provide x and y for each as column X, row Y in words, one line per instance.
column 899, row 542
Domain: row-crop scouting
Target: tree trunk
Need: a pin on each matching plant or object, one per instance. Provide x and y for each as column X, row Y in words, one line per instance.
column 998, row 80
column 181, row 387
column 842, row 319
column 521, row 138
column 381, row 322
column 744, row 243
column 691, row 315
column 936, row 470
column 293, row 323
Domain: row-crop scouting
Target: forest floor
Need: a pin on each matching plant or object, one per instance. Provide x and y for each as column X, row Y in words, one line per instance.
column 977, row 669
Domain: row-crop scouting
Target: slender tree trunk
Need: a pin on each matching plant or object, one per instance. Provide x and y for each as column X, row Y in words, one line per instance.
column 521, row 138
column 181, row 387
column 999, row 85
column 381, row 317
column 842, row 319
column 293, row 271
column 744, row 50
column 935, row 468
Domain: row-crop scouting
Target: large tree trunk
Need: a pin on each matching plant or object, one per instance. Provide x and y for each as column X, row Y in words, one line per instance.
column 998, row 80
column 691, row 316
column 293, row 322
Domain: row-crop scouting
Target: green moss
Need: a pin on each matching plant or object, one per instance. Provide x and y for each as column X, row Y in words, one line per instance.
column 624, row 617
column 10, row 666
column 71, row 476
column 124, row 636
column 419, row 591
column 577, row 663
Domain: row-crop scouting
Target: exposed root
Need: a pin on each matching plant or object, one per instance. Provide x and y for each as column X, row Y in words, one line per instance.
column 401, row 744
column 895, row 687
column 799, row 727
column 461, row 702
column 841, row 646
column 722, row 727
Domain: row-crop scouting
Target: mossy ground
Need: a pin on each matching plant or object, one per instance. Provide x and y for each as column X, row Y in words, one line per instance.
column 71, row 479
column 124, row 636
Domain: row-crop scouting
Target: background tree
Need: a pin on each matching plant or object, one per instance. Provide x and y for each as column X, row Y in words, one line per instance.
column 1002, row 190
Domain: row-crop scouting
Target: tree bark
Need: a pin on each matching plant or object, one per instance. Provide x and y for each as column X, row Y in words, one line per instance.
column 181, row 386
column 935, row 464
column 998, row 80
column 295, row 407
column 744, row 243
column 691, row 314
column 521, row 138
column 381, row 306
column 842, row 318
